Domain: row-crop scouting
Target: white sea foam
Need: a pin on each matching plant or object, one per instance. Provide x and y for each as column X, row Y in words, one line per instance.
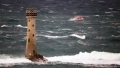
column 21, row 26
column 97, row 15
column 14, row 26
column 115, row 36
column 53, row 32
column 66, row 36
column 81, row 42
column 6, row 4
column 9, row 10
column 94, row 57
column 66, row 29
column 44, row 20
column 50, row 31
column 110, row 8
column 5, row 26
column 107, row 12
column 78, row 36
column 54, row 37
column 14, row 60
column 72, row 19
column 8, row 60
column 51, row 11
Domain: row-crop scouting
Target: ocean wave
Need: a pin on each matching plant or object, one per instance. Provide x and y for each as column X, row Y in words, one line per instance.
column 9, row 60
column 66, row 29
column 6, row 4
column 115, row 36
column 51, row 11
column 9, row 11
column 100, row 37
column 14, row 26
column 21, row 26
column 72, row 19
column 5, row 26
column 81, row 42
column 78, row 36
column 53, row 32
column 107, row 12
column 44, row 20
column 66, row 36
column 96, row 15
column 94, row 57
column 54, row 37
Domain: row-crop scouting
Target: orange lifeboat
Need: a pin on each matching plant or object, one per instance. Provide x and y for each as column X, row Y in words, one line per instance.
column 79, row 18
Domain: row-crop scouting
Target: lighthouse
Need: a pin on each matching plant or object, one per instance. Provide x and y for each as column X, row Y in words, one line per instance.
column 31, row 51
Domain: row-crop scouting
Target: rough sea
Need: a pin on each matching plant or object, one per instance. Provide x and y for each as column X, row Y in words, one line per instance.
column 91, row 43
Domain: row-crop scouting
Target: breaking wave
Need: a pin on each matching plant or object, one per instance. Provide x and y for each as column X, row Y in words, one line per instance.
column 78, row 36
column 6, row 4
column 53, row 37
column 14, row 26
column 9, row 60
column 94, row 58
column 56, row 37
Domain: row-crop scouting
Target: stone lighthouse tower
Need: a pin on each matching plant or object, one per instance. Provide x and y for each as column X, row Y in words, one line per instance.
column 31, row 48
column 31, row 52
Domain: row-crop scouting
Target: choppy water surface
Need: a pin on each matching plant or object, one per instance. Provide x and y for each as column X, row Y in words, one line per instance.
column 65, row 42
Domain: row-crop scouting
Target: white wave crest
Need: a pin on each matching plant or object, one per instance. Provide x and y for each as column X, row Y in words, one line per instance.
column 21, row 26
column 54, row 37
column 72, row 19
column 6, row 59
column 53, row 32
column 78, row 36
column 14, row 26
column 4, row 26
column 66, row 29
column 6, row 4
column 9, row 60
column 97, row 15
column 14, row 60
column 94, row 57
